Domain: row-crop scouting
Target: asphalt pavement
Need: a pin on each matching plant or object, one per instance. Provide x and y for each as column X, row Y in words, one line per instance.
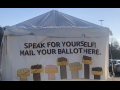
column 117, row 75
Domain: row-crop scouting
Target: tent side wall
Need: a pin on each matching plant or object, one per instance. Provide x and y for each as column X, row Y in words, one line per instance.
column 17, row 43
column 8, row 45
column 6, row 63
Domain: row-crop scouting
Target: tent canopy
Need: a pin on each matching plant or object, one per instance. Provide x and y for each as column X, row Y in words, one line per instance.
column 57, row 24
column 52, row 27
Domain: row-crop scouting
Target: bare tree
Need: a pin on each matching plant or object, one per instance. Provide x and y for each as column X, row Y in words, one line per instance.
column 114, row 49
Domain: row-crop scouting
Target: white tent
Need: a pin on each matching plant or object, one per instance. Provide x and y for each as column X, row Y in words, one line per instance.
column 65, row 47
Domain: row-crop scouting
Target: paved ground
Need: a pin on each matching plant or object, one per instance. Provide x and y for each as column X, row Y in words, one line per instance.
column 117, row 75
column 116, row 78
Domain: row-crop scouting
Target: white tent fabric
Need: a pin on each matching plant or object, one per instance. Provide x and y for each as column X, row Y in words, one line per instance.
column 57, row 24
column 53, row 27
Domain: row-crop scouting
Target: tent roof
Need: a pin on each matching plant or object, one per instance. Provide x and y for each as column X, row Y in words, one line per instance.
column 57, row 24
